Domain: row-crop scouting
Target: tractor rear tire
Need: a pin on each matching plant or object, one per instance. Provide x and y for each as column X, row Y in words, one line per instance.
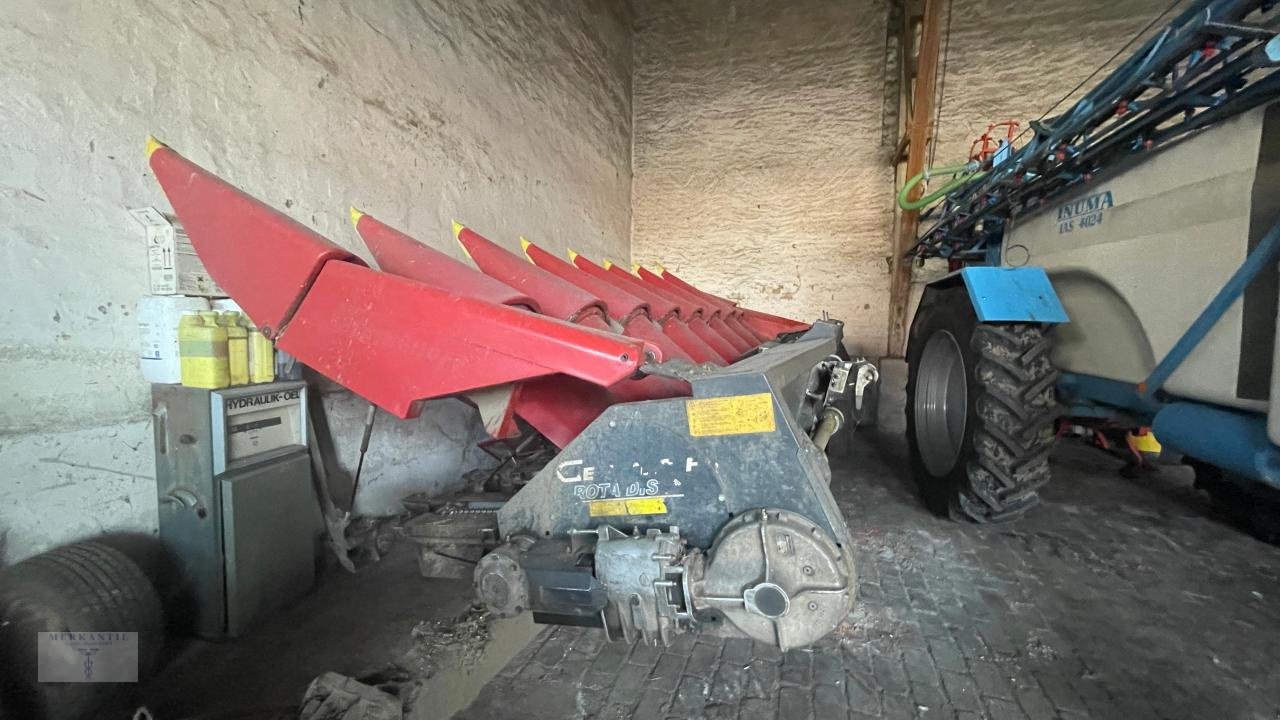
column 980, row 410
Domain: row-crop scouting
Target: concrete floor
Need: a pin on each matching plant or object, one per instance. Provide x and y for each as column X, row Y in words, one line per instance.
column 1113, row 599
column 379, row 625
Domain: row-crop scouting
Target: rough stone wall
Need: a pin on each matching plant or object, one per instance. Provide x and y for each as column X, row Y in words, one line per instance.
column 759, row 170
column 512, row 116
column 1012, row 62
column 761, row 166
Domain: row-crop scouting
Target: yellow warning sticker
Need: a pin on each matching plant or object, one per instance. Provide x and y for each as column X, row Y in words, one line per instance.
column 647, row 506
column 630, row 506
column 605, row 508
column 732, row 415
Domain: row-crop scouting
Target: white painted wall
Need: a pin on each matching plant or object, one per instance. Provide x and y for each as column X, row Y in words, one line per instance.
column 512, row 116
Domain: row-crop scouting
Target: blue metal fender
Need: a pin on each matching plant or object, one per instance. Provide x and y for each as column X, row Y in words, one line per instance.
column 1001, row 294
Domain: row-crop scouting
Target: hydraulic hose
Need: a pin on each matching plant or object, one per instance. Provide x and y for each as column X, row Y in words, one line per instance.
column 832, row 421
column 962, row 174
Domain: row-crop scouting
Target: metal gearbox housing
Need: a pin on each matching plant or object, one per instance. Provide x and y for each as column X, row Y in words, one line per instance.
column 777, row 577
column 669, row 514
column 643, row 576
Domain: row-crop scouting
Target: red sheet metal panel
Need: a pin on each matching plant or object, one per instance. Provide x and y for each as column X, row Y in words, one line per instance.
column 687, row 311
column 740, row 343
column 397, row 342
column 716, row 311
column 399, row 254
column 641, row 388
column 692, row 302
column 562, row 299
column 554, row 416
column 670, row 277
column 264, row 259
column 561, row 407
column 730, row 311
column 735, row 321
column 629, row 311
column 660, row 308
column 643, row 328
column 743, row 339
column 672, row 323
column 723, row 349
column 720, row 313
column 663, row 278
column 770, row 325
column 691, row 310
column 622, row 305
column 762, row 323
column 556, row 297
column 695, row 347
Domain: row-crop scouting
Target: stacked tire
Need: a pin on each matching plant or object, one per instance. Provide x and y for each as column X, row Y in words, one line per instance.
column 980, row 409
column 75, row 588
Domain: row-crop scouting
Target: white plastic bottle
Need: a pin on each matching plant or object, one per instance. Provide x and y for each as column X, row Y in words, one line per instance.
column 158, row 317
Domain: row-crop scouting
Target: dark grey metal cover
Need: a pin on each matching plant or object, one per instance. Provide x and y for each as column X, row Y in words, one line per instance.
column 269, row 530
column 646, row 450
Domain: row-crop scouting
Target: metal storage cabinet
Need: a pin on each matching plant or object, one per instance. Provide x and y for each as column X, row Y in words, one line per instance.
column 237, row 510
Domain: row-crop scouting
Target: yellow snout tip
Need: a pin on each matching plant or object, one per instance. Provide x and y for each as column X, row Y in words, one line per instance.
column 153, row 145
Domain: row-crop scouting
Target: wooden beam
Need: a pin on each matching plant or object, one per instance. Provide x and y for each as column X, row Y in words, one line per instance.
column 920, row 133
column 908, row 19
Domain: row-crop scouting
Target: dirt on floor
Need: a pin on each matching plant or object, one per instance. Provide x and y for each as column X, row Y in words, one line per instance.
column 422, row 641
column 461, row 640
column 1117, row 597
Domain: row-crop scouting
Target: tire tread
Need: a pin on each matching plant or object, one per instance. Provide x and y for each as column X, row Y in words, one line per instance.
column 1015, row 414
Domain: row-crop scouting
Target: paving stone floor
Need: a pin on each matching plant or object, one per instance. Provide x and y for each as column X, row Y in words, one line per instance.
column 1114, row 599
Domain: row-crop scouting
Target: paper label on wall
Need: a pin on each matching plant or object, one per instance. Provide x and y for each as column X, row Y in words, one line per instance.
column 173, row 266
column 731, row 415
column 633, row 506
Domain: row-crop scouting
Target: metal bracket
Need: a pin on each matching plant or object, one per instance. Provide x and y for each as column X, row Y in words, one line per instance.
column 678, row 369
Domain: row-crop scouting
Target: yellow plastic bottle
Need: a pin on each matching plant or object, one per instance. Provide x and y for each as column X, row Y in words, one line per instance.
column 237, row 346
column 202, row 350
column 262, row 356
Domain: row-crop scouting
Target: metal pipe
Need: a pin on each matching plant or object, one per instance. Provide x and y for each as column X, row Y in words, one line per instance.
column 364, row 448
